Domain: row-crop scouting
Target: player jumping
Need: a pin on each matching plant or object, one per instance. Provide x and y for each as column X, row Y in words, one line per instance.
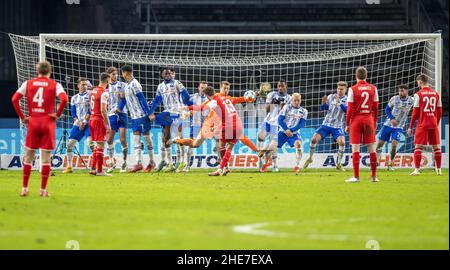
column 336, row 106
column 361, row 121
column 40, row 93
column 397, row 111
column 428, row 111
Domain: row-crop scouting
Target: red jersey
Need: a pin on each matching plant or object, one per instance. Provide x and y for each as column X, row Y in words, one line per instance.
column 97, row 97
column 363, row 101
column 224, row 108
column 427, row 108
column 41, row 93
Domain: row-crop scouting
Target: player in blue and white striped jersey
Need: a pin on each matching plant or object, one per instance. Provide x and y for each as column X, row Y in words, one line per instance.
column 291, row 119
column 140, row 118
column 118, row 120
column 397, row 111
column 274, row 103
column 79, row 108
column 197, row 118
column 174, row 96
column 336, row 106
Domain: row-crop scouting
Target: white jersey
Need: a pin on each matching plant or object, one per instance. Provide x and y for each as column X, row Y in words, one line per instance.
column 335, row 117
column 293, row 115
column 400, row 110
column 81, row 103
column 115, row 90
column 170, row 94
column 134, row 107
column 197, row 116
column 275, row 108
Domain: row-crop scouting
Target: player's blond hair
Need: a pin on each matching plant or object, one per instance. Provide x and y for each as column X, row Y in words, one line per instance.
column 342, row 83
column 43, row 68
column 225, row 83
column 111, row 69
column 296, row 95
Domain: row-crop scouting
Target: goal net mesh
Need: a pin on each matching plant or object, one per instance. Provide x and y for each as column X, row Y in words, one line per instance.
column 310, row 67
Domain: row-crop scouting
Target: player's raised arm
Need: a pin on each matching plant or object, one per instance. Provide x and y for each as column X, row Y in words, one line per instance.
column 184, row 93
column 324, row 106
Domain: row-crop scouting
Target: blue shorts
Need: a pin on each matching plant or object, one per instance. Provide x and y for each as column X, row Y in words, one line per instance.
column 324, row 131
column 77, row 134
column 118, row 121
column 166, row 119
column 141, row 124
column 283, row 138
column 271, row 129
column 194, row 131
column 387, row 133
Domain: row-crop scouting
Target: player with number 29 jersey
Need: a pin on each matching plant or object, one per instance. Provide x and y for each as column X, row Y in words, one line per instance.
column 428, row 110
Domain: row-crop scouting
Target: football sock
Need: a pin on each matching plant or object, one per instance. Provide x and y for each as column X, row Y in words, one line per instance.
column 45, row 173
column 26, row 174
column 438, row 157
column 355, row 161
column 373, row 163
column 417, row 157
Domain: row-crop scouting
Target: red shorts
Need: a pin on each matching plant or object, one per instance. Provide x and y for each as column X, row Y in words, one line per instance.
column 97, row 128
column 362, row 131
column 427, row 136
column 40, row 133
column 231, row 135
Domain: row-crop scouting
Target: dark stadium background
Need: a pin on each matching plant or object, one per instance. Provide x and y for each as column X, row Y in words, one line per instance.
column 26, row 17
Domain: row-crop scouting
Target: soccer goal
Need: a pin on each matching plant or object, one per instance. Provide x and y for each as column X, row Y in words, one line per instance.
column 311, row 64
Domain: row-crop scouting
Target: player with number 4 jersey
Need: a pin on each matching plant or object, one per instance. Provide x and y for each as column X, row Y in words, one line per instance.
column 40, row 93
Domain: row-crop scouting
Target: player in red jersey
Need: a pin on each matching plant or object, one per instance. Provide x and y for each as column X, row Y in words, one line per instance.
column 232, row 129
column 428, row 110
column 99, row 124
column 361, row 120
column 40, row 93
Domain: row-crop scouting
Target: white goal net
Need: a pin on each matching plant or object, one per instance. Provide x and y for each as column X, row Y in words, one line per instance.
column 310, row 64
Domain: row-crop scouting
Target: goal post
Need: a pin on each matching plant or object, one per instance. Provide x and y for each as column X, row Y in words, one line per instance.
column 311, row 64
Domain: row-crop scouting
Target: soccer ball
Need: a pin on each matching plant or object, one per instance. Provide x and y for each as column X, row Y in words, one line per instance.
column 250, row 94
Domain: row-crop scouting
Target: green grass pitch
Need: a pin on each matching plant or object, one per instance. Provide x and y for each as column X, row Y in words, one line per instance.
column 244, row 210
